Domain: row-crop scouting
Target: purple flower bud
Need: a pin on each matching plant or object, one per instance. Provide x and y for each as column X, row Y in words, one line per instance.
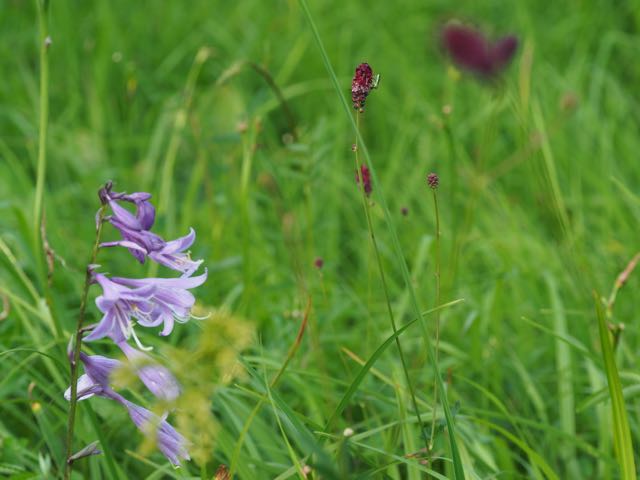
column 91, row 449
column 365, row 176
column 104, row 192
column 433, row 181
column 144, row 216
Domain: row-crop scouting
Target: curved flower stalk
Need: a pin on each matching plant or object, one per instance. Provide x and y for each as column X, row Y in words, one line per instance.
column 127, row 302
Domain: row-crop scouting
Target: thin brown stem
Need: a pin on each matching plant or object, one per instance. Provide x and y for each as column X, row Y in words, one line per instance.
column 437, row 346
column 385, row 288
column 73, row 401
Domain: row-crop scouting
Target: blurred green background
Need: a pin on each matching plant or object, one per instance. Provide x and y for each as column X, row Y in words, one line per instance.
column 225, row 112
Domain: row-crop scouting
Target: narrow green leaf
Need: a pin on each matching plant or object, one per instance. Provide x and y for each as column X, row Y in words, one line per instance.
column 367, row 366
column 621, row 433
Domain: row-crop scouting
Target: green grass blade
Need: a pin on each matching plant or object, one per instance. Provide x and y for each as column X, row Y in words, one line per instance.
column 564, row 379
column 532, row 454
column 372, row 360
column 621, row 433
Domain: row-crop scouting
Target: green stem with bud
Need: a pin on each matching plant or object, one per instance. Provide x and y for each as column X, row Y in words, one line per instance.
column 437, row 345
column 73, row 401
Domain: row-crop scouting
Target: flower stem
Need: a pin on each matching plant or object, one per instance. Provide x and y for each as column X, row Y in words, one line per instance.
column 45, row 41
column 73, row 401
column 384, row 286
column 437, row 345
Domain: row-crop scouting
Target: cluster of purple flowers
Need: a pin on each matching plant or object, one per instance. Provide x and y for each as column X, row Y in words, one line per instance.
column 147, row 302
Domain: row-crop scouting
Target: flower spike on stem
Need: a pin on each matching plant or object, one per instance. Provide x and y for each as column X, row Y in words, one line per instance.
column 433, row 181
column 363, row 82
column 73, row 393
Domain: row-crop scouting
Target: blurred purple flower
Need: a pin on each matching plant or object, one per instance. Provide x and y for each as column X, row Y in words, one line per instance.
column 472, row 51
column 170, row 442
column 96, row 382
column 98, row 370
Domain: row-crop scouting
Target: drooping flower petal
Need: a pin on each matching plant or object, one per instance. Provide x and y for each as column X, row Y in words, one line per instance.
column 172, row 255
column 170, row 442
column 86, row 388
column 95, row 380
column 157, row 378
column 99, row 368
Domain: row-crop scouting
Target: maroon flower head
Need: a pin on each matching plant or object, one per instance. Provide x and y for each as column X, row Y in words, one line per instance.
column 361, row 85
column 365, row 176
column 433, row 180
column 404, row 211
column 318, row 263
column 472, row 51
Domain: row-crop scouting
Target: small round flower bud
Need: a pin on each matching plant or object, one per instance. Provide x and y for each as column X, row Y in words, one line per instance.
column 348, row 432
column 404, row 211
column 433, row 180
column 104, row 192
column 318, row 263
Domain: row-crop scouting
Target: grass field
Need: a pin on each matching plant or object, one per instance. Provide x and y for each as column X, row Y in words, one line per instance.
column 229, row 115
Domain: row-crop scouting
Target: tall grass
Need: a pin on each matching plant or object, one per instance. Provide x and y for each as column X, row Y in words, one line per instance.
column 537, row 207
